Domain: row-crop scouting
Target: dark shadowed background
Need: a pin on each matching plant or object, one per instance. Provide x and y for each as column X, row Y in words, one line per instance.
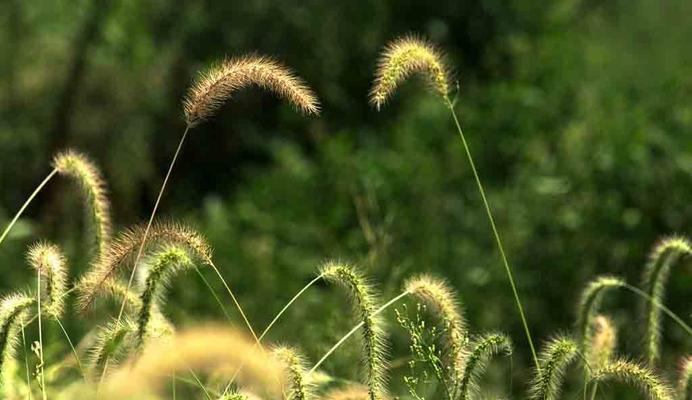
column 579, row 114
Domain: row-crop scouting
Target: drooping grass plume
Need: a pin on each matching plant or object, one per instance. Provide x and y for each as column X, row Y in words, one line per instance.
column 637, row 375
column 603, row 342
column 364, row 302
column 442, row 303
column 13, row 310
column 683, row 389
column 402, row 58
column 113, row 342
column 208, row 348
column 300, row 388
column 124, row 247
column 656, row 272
column 84, row 172
column 162, row 266
column 216, row 85
column 483, row 348
column 48, row 260
column 589, row 304
column 554, row 359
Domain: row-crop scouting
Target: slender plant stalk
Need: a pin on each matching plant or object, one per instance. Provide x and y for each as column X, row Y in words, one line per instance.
column 26, row 203
column 26, row 362
column 508, row 269
column 40, row 335
column 352, row 331
column 74, row 351
column 290, row 302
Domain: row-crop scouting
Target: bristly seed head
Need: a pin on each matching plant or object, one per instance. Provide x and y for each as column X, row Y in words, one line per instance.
column 77, row 166
column 685, row 378
column 49, row 261
column 603, row 342
column 125, row 246
column 637, row 375
column 402, row 58
column 364, row 304
column 442, row 303
column 216, row 85
column 665, row 254
column 589, row 304
column 554, row 360
column 300, row 387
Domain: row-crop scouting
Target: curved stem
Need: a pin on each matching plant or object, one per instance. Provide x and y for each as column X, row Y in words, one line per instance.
column 283, row 310
column 26, row 204
column 237, row 304
column 663, row 308
column 213, row 292
column 496, row 234
column 352, row 331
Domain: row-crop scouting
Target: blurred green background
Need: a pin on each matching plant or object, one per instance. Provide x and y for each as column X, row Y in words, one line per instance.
column 579, row 114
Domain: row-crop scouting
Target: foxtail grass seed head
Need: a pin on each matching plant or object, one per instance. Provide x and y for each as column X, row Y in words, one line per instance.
column 589, row 304
column 442, row 303
column 114, row 341
column 161, row 268
column 79, row 168
column 13, row 310
column 402, row 58
column 636, row 375
column 209, row 348
column 554, row 359
column 215, row 86
column 300, row 388
column 656, row 272
column 364, row 302
column 49, row 261
column 482, row 349
column 123, row 249
column 603, row 342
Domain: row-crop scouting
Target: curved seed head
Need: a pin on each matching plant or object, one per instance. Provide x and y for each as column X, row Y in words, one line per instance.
column 215, row 86
column 402, row 58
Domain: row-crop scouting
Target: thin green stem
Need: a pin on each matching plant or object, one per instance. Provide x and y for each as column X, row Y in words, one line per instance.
column 663, row 308
column 352, row 331
column 40, row 336
column 283, row 310
column 151, row 219
column 495, row 232
column 213, row 293
column 200, row 384
column 74, row 351
column 26, row 363
column 594, row 389
column 26, row 204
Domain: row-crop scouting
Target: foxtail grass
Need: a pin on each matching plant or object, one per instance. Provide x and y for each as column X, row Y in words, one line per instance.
column 442, row 303
column 636, row 375
column 209, row 91
column 656, row 272
column 589, row 304
column 364, row 301
column 299, row 387
column 555, row 357
column 410, row 55
column 78, row 167
column 161, row 269
column 350, row 392
column 603, row 342
column 482, row 349
column 13, row 310
column 49, row 262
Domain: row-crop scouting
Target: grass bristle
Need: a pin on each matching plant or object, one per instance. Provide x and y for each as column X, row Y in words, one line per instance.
column 365, row 304
column 554, row 359
column 215, row 86
column 656, row 272
column 300, row 388
column 402, row 58
column 636, row 375
column 482, row 349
